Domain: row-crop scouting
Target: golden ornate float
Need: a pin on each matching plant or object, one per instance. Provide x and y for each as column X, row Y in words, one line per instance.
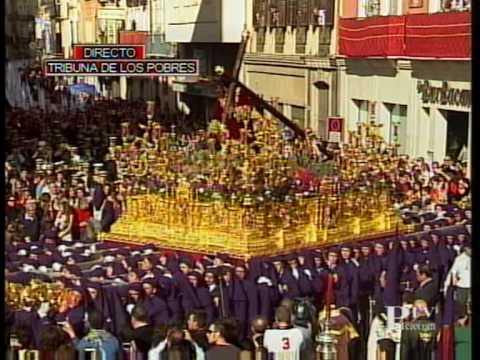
column 260, row 195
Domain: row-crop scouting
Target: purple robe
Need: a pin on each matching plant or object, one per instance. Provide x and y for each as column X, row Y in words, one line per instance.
column 286, row 279
column 352, row 273
column 169, row 291
column 252, row 297
column 157, row 310
column 391, row 294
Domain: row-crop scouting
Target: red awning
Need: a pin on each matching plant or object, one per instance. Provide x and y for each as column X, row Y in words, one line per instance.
column 443, row 35
column 446, row 35
column 133, row 37
column 379, row 36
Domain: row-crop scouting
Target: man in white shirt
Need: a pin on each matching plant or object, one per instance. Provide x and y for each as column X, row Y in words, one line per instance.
column 460, row 277
column 286, row 342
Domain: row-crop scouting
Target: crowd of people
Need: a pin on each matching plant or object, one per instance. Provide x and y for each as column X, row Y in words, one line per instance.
column 215, row 307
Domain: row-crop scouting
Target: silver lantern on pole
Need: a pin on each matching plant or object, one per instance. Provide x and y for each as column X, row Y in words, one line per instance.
column 326, row 345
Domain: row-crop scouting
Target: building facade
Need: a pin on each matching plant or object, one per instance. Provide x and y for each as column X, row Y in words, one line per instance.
column 290, row 58
column 20, row 37
column 409, row 70
column 207, row 31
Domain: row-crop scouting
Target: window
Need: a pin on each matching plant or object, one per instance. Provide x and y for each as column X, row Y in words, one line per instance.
column 302, row 13
column 277, row 13
column 322, row 12
column 300, row 39
column 455, row 5
column 261, row 40
column 298, row 115
column 361, row 110
column 324, row 36
column 279, row 40
column 260, row 13
column 368, row 8
column 291, row 12
column 397, row 122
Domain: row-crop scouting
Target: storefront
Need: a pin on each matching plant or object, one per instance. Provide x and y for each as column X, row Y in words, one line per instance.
column 423, row 105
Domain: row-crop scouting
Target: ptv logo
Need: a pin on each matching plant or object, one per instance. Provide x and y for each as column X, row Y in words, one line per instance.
column 396, row 316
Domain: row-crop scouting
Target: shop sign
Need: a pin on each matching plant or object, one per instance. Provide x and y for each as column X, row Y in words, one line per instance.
column 444, row 95
column 112, row 14
column 335, row 129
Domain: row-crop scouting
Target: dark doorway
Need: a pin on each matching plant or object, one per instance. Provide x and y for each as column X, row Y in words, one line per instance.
column 457, row 132
column 323, row 90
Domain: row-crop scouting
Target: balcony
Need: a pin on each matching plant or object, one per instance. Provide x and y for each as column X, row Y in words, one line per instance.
column 442, row 36
column 155, row 45
column 204, row 21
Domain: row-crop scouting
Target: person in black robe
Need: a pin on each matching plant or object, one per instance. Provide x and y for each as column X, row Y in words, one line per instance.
column 304, row 282
column 27, row 319
column 408, row 255
column 156, row 306
column 365, row 293
column 135, row 296
column 340, row 277
column 139, row 330
column 168, row 290
column 287, row 284
column 116, row 297
column 188, row 298
column 428, row 289
column 391, row 294
column 379, row 263
column 203, row 298
column 235, row 298
column 251, row 291
column 211, row 282
column 96, row 300
column 265, row 290
column 352, row 272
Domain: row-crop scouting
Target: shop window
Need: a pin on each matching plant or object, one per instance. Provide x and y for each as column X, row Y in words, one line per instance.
column 398, row 125
column 457, row 134
column 298, row 115
column 360, row 110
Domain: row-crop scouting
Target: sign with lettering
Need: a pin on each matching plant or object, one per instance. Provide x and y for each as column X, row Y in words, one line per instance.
column 444, row 95
column 335, row 129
